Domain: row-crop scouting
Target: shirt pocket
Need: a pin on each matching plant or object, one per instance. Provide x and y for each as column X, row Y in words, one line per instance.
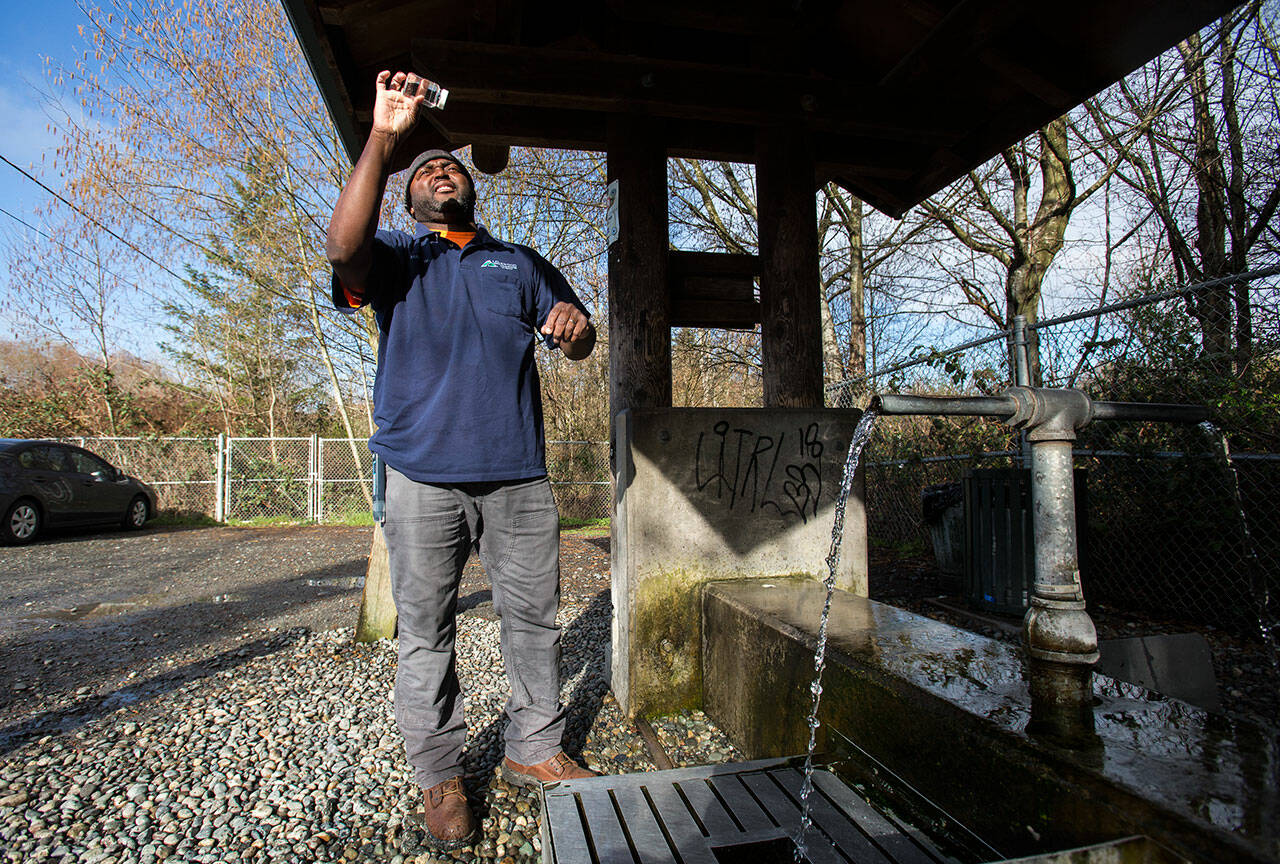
column 503, row 295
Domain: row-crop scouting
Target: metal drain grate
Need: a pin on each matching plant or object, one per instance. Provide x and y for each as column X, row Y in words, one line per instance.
column 718, row 814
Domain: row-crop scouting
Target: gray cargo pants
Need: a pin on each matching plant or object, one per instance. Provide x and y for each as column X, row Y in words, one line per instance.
column 430, row 529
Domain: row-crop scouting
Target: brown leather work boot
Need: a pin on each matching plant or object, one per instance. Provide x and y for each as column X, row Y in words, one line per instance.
column 558, row 767
column 447, row 816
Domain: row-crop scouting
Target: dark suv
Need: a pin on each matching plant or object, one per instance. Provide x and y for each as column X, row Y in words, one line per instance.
column 47, row 484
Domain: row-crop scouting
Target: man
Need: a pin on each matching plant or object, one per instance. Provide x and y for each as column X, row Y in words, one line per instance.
column 459, row 418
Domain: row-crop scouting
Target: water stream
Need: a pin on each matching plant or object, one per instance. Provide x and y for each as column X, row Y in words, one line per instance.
column 860, row 436
column 1266, row 614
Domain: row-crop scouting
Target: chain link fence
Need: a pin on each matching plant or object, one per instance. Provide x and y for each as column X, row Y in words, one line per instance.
column 180, row 469
column 311, row 479
column 1182, row 521
column 581, row 478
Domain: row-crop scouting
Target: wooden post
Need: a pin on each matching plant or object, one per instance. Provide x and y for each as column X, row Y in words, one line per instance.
column 639, row 329
column 639, row 314
column 377, row 609
column 791, row 332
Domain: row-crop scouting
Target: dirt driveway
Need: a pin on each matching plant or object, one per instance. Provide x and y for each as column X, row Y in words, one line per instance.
column 90, row 622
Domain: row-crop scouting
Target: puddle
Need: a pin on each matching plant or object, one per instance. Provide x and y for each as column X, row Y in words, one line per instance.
column 333, row 582
column 86, row 610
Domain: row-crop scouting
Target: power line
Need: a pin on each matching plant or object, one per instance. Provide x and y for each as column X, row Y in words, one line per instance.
column 75, row 252
column 87, row 216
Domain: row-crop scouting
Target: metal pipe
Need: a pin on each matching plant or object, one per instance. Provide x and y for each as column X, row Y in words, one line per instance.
column 1022, row 378
column 1155, row 411
column 1021, row 357
column 1057, row 626
column 953, row 406
column 1004, row 406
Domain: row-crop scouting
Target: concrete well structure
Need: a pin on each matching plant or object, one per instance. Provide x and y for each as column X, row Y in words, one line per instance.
column 704, row 494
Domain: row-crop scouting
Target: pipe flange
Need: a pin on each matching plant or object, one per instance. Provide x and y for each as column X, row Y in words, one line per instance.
column 1073, row 605
column 1059, row 596
column 1063, row 657
column 1055, row 633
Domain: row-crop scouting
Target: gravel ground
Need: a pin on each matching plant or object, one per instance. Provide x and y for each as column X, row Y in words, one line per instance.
column 195, row 696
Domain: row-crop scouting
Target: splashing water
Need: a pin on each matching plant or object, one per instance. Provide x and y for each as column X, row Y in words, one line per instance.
column 860, row 436
column 1266, row 614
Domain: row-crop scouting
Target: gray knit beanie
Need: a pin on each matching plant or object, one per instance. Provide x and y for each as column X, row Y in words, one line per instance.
column 423, row 159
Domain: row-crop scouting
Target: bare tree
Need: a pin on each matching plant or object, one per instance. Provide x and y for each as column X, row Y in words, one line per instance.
column 1209, row 167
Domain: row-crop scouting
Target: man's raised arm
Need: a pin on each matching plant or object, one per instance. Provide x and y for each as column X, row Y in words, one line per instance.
column 349, row 245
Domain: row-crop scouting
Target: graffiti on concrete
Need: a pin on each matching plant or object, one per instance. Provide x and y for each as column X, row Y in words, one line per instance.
column 754, row 471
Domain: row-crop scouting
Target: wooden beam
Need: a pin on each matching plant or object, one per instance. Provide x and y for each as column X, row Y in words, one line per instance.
column 339, row 14
column 738, row 18
column 965, row 29
column 510, row 75
column 639, row 309
column 791, row 336
column 710, row 289
column 685, row 263
column 326, row 68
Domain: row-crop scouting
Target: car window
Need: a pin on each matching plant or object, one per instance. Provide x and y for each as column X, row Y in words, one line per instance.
column 36, row 459
column 87, row 463
column 58, row 458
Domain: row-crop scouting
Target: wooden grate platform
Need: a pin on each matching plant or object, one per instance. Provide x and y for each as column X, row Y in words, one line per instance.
column 718, row 814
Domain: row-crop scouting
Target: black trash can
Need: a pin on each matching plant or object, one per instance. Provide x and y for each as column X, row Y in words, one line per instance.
column 999, row 537
column 942, row 506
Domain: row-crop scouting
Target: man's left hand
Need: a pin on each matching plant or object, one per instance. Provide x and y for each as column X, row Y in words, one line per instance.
column 569, row 326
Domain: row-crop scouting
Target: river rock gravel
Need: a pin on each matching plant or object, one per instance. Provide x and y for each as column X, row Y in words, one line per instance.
column 279, row 743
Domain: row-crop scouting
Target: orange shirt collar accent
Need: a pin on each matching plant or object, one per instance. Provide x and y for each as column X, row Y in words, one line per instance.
column 458, row 237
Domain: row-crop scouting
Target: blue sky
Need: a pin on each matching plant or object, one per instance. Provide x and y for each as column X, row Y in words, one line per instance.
column 30, row 31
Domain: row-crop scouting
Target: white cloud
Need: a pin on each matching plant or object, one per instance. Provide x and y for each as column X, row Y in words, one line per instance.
column 25, row 132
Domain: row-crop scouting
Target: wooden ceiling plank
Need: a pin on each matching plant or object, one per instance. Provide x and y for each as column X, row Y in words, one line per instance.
column 738, row 19
column 1029, row 80
column 514, row 76
column 967, row 26
column 339, row 14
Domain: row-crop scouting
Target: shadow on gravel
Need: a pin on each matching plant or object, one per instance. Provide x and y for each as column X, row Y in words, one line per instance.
column 86, row 651
column 583, row 705
column 89, row 708
column 475, row 599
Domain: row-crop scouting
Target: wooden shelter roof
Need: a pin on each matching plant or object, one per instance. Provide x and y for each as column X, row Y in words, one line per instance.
column 900, row 97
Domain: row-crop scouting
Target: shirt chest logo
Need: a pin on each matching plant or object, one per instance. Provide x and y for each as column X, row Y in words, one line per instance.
column 502, row 265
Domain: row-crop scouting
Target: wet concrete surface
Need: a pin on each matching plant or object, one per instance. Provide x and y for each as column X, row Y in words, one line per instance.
column 1201, row 778
column 93, row 621
column 1246, row 668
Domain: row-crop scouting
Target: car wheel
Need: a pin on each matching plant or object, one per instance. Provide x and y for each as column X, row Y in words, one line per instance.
column 21, row 522
column 136, row 516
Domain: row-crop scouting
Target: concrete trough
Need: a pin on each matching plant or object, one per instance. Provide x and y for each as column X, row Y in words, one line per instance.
column 946, row 712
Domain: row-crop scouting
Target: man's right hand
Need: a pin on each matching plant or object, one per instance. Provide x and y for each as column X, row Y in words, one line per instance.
column 394, row 113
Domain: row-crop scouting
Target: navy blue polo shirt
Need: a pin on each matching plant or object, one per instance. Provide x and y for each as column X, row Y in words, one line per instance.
column 456, row 398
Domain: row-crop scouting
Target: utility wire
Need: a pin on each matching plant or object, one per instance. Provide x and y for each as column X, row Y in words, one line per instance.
column 75, row 252
column 90, row 218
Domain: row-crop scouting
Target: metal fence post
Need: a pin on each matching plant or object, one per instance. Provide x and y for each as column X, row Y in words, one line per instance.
column 313, row 485
column 1021, row 377
column 226, row 478
column 219, row 480
column 320, row 478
